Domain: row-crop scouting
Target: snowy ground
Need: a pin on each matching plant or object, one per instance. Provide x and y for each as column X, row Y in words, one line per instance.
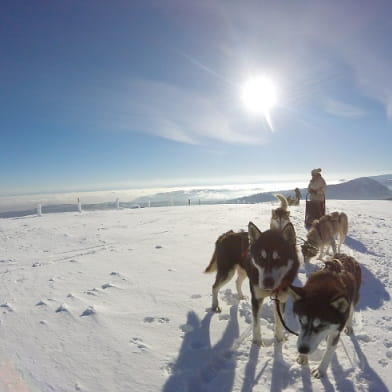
column 117, row 301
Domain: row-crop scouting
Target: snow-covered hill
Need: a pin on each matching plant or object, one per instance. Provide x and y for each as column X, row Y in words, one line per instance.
column 116, row 301
column 384, row 179
column 363, row 188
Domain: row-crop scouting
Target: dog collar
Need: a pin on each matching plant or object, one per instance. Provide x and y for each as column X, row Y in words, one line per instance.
column 283, row 286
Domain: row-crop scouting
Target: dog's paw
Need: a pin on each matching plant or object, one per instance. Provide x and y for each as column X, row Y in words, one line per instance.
column 216, row 309
column 318, row 373
column 258, row 342
column 302, row 359
column 348, row 330
column 280, row 338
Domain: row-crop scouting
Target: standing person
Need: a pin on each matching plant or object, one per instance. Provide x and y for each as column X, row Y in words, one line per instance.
column 295, row 201
column 298, row 195
column 315, row 206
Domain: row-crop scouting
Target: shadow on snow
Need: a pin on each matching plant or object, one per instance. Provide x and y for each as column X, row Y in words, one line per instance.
column 358, row 246
column 198, row 363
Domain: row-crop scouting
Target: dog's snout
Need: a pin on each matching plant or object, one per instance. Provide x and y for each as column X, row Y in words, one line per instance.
column 303, row 349
column 268, row 282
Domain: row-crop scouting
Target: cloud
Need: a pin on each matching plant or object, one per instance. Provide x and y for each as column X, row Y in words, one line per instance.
column 342, row 109
column 174, row 113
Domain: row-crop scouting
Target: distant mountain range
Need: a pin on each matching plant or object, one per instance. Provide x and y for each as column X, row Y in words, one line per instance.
column 363, row 188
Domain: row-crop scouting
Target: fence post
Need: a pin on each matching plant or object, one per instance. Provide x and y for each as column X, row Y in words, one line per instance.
column 39, row 209
column 118, row 203
column 79, row 205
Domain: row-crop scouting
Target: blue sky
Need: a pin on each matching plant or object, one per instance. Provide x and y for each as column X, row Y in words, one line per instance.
column 98, row 94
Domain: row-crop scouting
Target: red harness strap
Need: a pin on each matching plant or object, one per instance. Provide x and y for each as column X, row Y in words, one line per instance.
column 283, row 286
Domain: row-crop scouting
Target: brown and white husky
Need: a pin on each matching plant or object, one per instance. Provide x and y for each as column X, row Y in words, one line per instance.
column 324, row 308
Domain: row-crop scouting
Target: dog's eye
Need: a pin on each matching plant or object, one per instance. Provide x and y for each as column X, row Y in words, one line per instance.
column 303, row 320
column 319, row 327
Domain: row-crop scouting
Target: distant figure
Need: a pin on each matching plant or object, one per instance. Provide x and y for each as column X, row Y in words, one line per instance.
column 294, row 201
column 315, row 198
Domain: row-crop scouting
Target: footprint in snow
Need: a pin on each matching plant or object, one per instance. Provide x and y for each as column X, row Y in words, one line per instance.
column 156, row 319
column 224, row 316
column 139, row 345
column 62, row 308
column 118, row 275
column 383, row 362
column 108, row 285
column 90, row 311
column 7, row 307
column 94, row 292
column 364, row 338
column 8, row 261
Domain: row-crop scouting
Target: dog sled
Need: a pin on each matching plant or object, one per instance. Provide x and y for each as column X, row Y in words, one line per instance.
column 315, row 209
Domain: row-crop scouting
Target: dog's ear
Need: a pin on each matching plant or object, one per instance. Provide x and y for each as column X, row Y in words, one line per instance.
column 253, row 232
column 288, row 233
column 341, row 304
column 296, row 293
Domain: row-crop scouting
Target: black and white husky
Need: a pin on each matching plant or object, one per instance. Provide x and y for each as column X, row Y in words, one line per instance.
column 270, row 261
column 324, row 308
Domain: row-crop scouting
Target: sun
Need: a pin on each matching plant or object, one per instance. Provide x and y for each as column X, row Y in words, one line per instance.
column 259, row 95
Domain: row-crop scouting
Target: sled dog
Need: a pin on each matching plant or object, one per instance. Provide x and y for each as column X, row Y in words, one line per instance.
column 230, row 254
column 280, row 216
column 270, row 261
column 324, row 308
column 322, row 234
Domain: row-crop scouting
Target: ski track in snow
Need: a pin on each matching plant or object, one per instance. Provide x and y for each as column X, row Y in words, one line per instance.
column 117, row 301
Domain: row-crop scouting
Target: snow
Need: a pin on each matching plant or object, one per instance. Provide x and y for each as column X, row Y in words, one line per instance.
column 116, row 300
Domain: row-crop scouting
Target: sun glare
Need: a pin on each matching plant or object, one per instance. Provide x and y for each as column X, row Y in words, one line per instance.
column 259, row 95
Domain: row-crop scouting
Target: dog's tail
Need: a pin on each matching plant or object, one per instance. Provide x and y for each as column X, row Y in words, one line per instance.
column 283, row 201
column 344, row 225
column 213, row 264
